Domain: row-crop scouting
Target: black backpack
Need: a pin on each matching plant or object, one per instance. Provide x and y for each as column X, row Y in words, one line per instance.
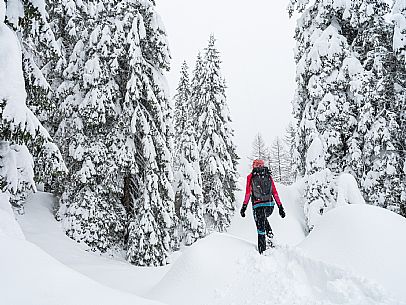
column 261, row 184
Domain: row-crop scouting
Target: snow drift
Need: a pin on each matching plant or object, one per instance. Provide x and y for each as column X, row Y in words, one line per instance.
column 30, row 276
column 368, row 240
column 222, row 269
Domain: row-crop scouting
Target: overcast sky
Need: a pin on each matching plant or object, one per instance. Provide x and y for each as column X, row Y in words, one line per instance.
column 255, row 40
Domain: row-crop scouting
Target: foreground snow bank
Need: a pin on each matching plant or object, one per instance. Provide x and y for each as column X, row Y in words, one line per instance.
column 222, row 269
column 368, row 240
column 30, row 276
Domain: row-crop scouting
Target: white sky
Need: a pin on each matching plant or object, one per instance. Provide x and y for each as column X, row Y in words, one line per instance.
column 255, row 40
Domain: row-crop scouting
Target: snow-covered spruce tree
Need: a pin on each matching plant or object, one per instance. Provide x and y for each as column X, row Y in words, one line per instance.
column 369, row 145
column 379, row 112
column 19, row 127
column 399, row 46
column 117, row 129
column 321, row 104
column 152, row 231
column 188, row 183
column 319, row 188
column 90, row 206
column 29, row 19
column 183, row 107
column 325, row 114
column 189, row 196
column 196, row 87
column 215, row 141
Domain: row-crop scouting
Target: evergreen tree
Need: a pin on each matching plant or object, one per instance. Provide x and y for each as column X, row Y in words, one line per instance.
column 322, row 107
column 189, row 196
column 183, row 107
column 319, row 189
column 90, row 206
column 399, row 46
column 152, row 230
column 380, row 123
column 19, row 127
column 350, row 101
column 30, row 21
column 188, row 184
column 214, row 134
column 118, row 122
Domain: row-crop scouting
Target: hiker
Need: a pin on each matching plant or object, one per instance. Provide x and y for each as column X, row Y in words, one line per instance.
column 261, row 188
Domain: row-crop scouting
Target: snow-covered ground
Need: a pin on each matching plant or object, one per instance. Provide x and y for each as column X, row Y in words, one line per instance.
column 347, row 259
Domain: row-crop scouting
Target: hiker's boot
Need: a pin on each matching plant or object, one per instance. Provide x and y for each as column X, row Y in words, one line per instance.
column 269, row 240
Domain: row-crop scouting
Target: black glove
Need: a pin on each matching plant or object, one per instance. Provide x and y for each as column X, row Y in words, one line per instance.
column 281, row 211
column 243, row 208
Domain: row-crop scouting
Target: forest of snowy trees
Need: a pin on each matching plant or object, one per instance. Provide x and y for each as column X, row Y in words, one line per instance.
column 84, row 99
column 350, row 100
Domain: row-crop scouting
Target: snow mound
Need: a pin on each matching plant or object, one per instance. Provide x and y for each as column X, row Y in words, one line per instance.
column 348, row 190
column 202, row 270
column 368, row 240
column 222, row 270
column 30, row 276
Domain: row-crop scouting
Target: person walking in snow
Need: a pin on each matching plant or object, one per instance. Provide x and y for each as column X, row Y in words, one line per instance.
column 261, row 189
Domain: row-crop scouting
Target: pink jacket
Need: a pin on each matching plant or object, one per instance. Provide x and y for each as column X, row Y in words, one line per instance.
column 248, row 191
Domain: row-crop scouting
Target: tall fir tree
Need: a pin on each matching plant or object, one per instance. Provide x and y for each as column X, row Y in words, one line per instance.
column 152, row 230
column 399, row 48
column 183, row 107
column 118, row 122
column 189, row 196
column 215, row 140
column 355, row 115
column 321, row 106
column 40, row 49
column 90, row 206
column 19, row 127
column 188, row 183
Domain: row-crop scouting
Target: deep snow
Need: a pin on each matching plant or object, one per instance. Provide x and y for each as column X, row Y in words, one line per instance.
column 368, row 240
column 220, row 269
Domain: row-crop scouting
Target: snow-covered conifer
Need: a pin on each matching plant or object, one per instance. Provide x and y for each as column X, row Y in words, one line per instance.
column 319, row 188
column 152, row 231
column 189, row 196
column 183, row 106
column 30, row 21
column 90, row 206
column 215, row 140
column 19, row 127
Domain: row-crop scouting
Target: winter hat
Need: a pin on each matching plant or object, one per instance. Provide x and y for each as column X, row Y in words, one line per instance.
column 258, row 163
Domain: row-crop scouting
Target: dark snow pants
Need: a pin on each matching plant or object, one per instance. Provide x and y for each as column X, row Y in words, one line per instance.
column 261, row 215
